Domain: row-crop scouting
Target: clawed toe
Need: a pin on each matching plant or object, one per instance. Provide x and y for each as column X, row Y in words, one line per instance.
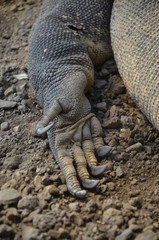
column 97, row 170
column 102, row 151
column 80, row 194
column 89, row 183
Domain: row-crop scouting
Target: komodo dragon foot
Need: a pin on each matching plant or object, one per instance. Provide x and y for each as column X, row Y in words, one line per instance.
column 74, row 135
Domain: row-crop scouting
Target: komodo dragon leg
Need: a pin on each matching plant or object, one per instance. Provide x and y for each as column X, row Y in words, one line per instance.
column 68, row 39
column 74, row 135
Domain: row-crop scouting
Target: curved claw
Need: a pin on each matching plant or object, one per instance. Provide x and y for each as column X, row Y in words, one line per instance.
column 89, row 184
column 103, row 151
column 97, row 170
column 41, row 130
column 80, row 194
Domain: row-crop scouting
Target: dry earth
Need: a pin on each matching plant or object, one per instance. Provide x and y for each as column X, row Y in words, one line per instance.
column 34, row 201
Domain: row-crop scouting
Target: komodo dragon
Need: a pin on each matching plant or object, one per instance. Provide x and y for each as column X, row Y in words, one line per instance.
column 68, row 39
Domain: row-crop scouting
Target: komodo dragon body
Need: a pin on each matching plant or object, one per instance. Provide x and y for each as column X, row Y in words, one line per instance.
column 67, row 41
column 135, row 42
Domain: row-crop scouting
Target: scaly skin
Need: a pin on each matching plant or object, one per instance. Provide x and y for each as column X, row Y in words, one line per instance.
column 135, row 42
column 68, row 39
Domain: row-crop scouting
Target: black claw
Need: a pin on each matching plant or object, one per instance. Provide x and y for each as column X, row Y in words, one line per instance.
column 89, row 184
column 80, row 194
column 98, row 170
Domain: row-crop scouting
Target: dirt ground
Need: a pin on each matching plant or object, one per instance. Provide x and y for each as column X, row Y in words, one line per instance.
column 34, row 201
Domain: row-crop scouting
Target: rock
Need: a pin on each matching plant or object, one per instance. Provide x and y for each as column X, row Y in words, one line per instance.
column 100, row 83
column 44, row 221
column 6, row 232
column 102, row 106
column 16, row 129
column 112, row 232
column 5, row 126
column 113, row 216
column 74, row 207
column 111, row 186
column 21, row 76
column 64, row 234
column 147, row 235
column 63, row 188
column 11, row 162
column 103, row 151
column 9, row 90
column 21, row 87
column 117, row 86
column 135, row 202
column 14, row 47
column 44, row 196
column 9, row 196
column 113, row 112
column 125, row 133
column 29, row 202
column 30, row 2
column 135, row 227
column 77, row 219
column 62, row 178
column 104, row 72
column 7, row 104
column 52, row 190
column 29, row 217
column 134, row 181
column 54, row 234
column 135, row 147
column 91, row 206
column 12, row 214
column 111, row 203
column 119, row 172
column 109, row 166
column 112, row 123
column 125, row 235
column 45, row 180
column 37, row 181
column 29, row 233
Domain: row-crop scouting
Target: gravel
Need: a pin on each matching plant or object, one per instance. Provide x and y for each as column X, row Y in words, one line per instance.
column 34, row 200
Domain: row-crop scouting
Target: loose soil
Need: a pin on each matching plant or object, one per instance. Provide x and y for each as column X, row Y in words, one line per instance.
column 125, row 203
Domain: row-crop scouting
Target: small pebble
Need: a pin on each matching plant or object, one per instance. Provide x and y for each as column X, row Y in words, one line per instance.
column 119, row 172
column 29, row 202
column 113, row 216
column 135, row 147
column 112, row 123
column 111, row 186
column 44, row 222
column 53, row 190
column 9, row 196
column 125, row 235
column 6, row 232
column 147, row 235
column 7, row 104
column 29, row 233
column 5, row 126
column 102, row 106
column 74, row 207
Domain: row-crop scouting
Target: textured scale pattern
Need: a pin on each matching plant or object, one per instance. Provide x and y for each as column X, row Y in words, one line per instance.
column 135, row 43
column 69, row 38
